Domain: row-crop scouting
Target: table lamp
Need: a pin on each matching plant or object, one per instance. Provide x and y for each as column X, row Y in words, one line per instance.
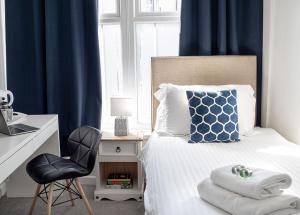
column 121, row 108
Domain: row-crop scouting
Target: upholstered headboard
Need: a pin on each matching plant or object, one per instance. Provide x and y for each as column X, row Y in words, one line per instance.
column 205, row 70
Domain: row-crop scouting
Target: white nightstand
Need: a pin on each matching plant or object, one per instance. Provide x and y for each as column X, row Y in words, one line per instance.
column 119, row 155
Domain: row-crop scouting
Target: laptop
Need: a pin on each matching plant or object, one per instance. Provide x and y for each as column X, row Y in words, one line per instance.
column 15, row 129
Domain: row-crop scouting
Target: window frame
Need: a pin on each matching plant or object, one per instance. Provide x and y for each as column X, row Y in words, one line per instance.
column 129, row 17
column 166, row 14
column 110, row 15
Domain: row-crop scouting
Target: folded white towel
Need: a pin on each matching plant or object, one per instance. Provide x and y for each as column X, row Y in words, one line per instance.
column 238, row 205
column 262, row 184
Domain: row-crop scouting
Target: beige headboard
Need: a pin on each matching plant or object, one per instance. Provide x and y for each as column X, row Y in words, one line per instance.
column 205, row 70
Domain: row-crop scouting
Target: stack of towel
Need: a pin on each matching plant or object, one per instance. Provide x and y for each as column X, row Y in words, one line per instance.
column 260, row 194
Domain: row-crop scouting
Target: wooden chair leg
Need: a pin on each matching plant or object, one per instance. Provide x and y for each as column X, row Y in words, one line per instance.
column 50, row 198
column 86, row 202
column 70, row 194
column 37, row 191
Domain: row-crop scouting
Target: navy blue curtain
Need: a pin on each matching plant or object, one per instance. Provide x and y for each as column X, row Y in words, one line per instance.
column 224, row 27
column 53, row 63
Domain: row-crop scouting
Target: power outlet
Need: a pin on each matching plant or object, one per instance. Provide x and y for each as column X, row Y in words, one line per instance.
column 2, row 189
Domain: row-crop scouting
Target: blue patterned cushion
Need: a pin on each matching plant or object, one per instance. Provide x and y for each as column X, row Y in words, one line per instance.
column 214, row 116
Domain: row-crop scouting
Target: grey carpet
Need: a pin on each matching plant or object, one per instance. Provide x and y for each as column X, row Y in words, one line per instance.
column 16, row 206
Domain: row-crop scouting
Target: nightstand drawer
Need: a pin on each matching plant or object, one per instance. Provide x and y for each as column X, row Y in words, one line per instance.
column 118, row 148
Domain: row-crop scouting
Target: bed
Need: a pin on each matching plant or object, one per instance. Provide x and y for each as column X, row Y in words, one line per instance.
column 174, row 167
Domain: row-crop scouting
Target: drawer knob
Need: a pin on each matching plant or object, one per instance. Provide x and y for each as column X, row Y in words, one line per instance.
column 118, row 149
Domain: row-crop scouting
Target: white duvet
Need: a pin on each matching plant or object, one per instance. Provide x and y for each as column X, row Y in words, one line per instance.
column 174, row 168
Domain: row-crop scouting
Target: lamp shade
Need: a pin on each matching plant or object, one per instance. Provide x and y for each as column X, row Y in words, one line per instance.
column 121, row 106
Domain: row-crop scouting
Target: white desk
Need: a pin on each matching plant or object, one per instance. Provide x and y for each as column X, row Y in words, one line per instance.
column 16, row 151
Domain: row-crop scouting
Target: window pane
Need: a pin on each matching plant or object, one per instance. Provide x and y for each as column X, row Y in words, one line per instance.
column 111, row 66
column 108, row 6
column 145, row 34
column 147, row 5
column 167, row 39
column 152, row 40
column 166, row 5
column 159, row 5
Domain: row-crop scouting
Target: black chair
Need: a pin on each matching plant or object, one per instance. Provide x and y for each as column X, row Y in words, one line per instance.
column 47, row 170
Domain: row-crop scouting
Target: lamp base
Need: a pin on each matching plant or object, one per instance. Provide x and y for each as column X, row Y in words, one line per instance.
column 121, row 126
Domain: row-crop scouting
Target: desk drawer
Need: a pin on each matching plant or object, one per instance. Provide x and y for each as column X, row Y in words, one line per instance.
column 118, row 148
column 13, row 162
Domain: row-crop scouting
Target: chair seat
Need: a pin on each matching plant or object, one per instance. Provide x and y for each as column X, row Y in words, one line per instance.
column 47, row 168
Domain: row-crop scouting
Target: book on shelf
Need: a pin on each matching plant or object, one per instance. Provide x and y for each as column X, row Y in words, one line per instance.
column 115, row 179
column 119, row 176
column 118, row 186
column 119, row 181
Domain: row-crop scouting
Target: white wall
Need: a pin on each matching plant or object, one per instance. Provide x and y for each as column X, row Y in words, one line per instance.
column 282, row 67
column 2, row 46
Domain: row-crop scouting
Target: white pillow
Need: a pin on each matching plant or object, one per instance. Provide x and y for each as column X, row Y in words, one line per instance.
column 173, row 117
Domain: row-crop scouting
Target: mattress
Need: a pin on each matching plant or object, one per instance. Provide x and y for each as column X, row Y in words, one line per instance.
column 174, row 168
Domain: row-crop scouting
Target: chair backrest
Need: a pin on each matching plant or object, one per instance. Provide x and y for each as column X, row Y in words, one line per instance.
column 83, row 144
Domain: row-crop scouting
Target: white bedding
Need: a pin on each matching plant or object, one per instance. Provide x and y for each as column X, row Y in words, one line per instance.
column 174, row 168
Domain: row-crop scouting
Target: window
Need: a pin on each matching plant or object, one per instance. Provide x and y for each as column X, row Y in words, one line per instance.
column 130, row 33
column 158, row 5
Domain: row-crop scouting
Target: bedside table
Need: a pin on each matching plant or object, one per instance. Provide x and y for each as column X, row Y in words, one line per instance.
column 118, row 154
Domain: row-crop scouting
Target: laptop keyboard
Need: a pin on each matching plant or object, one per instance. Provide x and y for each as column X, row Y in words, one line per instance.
column 17, row 128
column 22, row 126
